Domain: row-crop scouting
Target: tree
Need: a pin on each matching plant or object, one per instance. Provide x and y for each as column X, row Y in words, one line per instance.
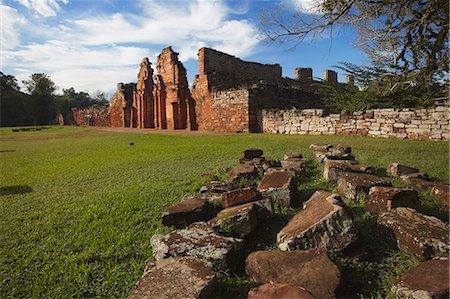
column 400, row 36
column 13, row 103
column 41, row 88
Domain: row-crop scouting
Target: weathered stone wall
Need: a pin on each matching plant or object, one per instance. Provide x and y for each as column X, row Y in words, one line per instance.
column 121, row 108
column 99, row 117
column 231, row 110
column 225, row 70
column 432, row 123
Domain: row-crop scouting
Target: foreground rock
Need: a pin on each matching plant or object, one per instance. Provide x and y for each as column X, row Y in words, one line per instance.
column 325, row 221
column 419, row 235
column 333, row 169
column 294, row 164
column 245, row 171
column 308, row 269
column 240, row 196
column 278, row 291
column 351, row 185
column 185, row 277
column 252, row 153
column 383, row 199
column 398, row 170
column 198, row 240
column 240, row 221
column 442, row 192
column 189, row 210
column 279, row 186
column 427, row 280
column 213, row 191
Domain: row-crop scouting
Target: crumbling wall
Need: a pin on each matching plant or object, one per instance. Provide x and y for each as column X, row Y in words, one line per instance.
column 143, row 104
column 176, row 96
column 94, row 116
column 121, row 107
column 432, row 123
column 226, row 71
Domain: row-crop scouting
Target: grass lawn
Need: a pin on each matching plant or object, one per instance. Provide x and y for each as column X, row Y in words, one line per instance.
column 78, row 208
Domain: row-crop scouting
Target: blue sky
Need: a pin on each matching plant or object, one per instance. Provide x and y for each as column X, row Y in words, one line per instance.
column 92, row 45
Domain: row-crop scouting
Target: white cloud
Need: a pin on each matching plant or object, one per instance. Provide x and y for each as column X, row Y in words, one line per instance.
column 10, row 20
column 96, row 52
column 45, row 8
column 308, row 6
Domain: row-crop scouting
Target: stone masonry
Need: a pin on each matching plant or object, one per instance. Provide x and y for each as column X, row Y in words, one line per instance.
column 431, row 123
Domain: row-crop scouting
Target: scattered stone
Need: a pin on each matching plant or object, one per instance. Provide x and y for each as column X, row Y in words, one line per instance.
column 336, row 154
column 198, row 240
column 240, row 196
column 344, row 148
column 325, row 221
column 280, row 186
column 239, row 221
column 398, row 170
column 252, row 153
column 293, row 156
column 442, row 191
column 257, row 162
column 295, row 165
column 189, row 210
column 427, row 280
column 271, row 164
column 310, row 269
column 278, row 291
column 420, row 235
column 415, row 175
column 243, row 171
column 383, row 199
column 333, row 169
column 212, row 191
column 351, row 185
column 320, row 154
column 320, row 147
column 185, row 277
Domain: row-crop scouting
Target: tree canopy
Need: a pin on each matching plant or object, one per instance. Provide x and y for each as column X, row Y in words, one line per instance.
column 399, row 36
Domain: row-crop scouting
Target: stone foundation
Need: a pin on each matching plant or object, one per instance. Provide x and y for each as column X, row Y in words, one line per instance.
column 431, row 123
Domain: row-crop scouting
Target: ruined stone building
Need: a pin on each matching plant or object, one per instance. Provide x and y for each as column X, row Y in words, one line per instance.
column 227, row 95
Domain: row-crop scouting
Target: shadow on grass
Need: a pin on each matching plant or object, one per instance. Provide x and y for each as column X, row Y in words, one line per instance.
column 7, row 151
column 9, row 190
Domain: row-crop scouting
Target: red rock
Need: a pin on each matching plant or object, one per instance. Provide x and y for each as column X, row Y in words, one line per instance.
column 184, row 277
column 189, row 210
column 309, row 269
column 245, row 171
column 240, row 196
column 198, row 240
column 351, row 185
column 280, row 186
column 252, row 153
column 419, row 235
column 383, row 199
column 325, row 221
column 427, row 280
column 333, row 169
column 278, row 291
column 397, row 170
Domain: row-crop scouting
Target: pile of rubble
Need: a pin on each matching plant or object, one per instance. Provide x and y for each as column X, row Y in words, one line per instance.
column 213, row 228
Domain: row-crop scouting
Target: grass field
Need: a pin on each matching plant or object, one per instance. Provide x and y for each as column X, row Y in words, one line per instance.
column 79, row 207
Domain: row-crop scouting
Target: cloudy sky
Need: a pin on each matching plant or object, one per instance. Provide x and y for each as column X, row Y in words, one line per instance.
column 93, row 44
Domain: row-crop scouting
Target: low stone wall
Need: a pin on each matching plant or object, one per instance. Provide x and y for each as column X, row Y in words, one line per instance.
column 99, row 117
column 431, row 123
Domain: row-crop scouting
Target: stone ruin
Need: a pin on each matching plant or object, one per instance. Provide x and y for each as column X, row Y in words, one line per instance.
column 216, row 226
column 227, row 95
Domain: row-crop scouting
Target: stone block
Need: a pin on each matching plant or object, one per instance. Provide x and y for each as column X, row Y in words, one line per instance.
column 189, row 210
column 442, row 191
column 429, row 279
column 239, row 221
column 396, row 169
column 295, row 165
column 325, row 221
column 293, row 156
column 383, row 199
column 279, row 186
column 309, row 269
column 185, row 277
column 351, row 185
column 320, row 147
column 278, row 291
column 198, row 240
column 271, row 164
column 239, row 196
column 419, row 235
column 244, row 171
column 252, row 153
column 333, row 169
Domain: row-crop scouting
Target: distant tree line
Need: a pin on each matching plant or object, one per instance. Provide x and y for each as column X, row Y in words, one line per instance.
column 40, row 105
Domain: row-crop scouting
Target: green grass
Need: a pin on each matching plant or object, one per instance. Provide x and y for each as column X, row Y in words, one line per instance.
column 81, row 206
